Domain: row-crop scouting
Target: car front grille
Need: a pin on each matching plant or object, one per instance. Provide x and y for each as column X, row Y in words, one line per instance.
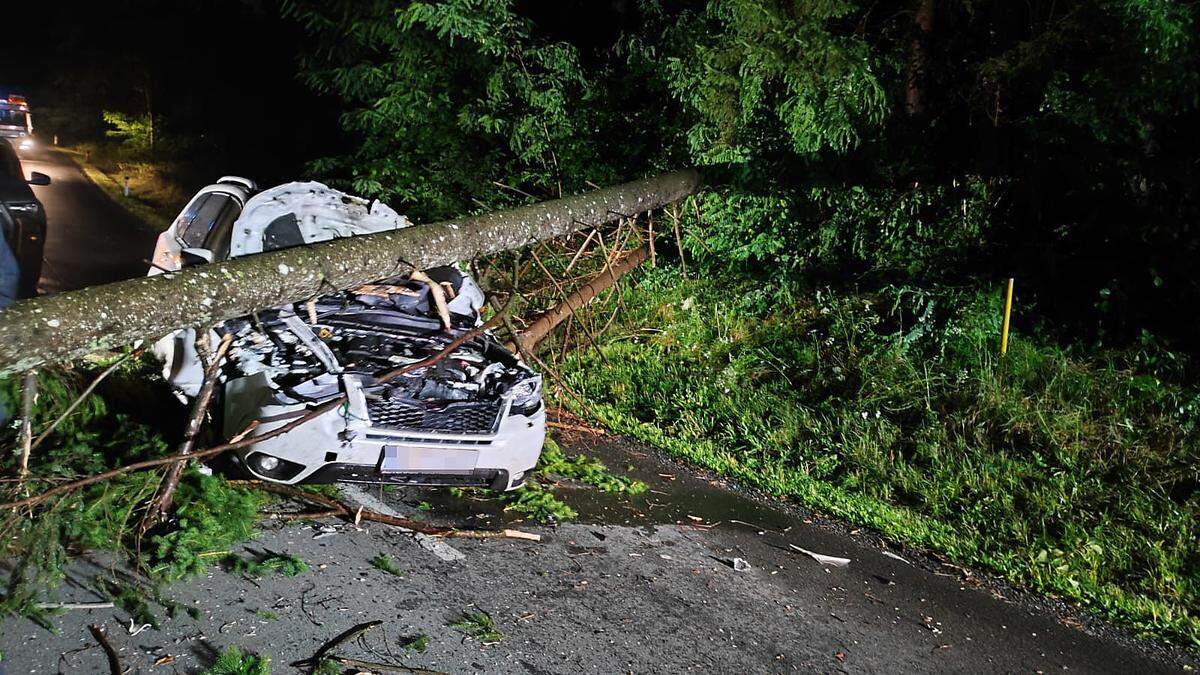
column 454, row 418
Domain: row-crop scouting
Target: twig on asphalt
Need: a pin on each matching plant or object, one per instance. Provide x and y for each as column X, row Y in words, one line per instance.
column 74, row 605
column 325, row 653
column 342, row 638
column 114, row 661
column 375, row 666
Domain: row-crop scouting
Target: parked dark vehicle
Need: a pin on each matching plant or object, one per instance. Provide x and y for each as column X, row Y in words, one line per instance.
column 26, row 234
column 10, row 274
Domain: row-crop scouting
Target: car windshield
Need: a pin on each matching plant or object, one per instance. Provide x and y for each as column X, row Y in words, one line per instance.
column 10, row 117
column 10, row 166
column 208, row 214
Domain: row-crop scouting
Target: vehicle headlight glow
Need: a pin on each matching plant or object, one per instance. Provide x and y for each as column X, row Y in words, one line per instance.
column 26, row 143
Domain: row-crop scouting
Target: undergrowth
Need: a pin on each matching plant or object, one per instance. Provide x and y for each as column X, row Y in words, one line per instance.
column 212, row 515
column 234, row 661
column 1073, row 476
column 478, row 625
column 264, row 563
column 384, row 563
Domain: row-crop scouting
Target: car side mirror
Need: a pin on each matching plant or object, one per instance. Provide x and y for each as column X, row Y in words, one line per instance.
column 38, row 178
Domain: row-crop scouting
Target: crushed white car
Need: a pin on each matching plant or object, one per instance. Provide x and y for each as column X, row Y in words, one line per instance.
column 474, row 418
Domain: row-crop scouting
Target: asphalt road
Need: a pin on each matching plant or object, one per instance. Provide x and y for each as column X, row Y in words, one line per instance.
column 638, row 585
column 89, row 238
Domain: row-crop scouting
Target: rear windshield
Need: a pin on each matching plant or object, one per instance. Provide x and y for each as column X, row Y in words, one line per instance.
column 211, row 213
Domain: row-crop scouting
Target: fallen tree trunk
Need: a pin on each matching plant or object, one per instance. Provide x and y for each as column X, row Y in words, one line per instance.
column 69, row 325
column 546, row 322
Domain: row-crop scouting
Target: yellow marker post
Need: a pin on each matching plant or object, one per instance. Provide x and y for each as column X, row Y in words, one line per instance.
column 1007, row 313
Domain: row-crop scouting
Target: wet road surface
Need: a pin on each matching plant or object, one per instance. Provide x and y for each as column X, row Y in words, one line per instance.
column 89, row 238
column 637, row 585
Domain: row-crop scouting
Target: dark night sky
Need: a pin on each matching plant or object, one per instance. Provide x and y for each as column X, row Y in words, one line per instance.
column 222, row 72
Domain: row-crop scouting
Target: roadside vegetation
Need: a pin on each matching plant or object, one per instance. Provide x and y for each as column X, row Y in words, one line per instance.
column 1069, row 473
column 162, row 172
column 106, row 430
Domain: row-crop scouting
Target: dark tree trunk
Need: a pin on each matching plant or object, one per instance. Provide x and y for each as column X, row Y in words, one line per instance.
column 918, row 58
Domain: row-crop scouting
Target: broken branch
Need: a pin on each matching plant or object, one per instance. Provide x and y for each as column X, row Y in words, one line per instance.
column 28, row 396
column 540, row 327
column 114, row 661
column 160, row 504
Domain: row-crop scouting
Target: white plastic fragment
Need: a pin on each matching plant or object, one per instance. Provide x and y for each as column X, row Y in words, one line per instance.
column 893, row 556
column 832, row 561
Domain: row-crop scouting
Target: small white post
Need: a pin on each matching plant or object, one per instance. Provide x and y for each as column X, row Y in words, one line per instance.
column 56, row 139
column 126, row 186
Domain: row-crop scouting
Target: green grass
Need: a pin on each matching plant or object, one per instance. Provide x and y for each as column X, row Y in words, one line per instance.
column 234, row 661
column 157, row 190
column 265, row 563
column 415, row 643
column 478, row 625
column 384, row 562
column 1071, row 476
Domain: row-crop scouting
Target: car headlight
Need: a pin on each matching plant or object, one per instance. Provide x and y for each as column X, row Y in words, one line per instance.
column 526, row 396
column 26, row 143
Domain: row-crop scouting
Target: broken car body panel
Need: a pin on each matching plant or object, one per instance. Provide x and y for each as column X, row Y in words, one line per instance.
column 474, row 418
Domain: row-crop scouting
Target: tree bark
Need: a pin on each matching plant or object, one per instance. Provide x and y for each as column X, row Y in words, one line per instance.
column 540, row 327
column 69, row 325
column 918, row 58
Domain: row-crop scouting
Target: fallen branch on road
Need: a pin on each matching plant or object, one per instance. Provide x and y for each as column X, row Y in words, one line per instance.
column 114, row 661
column 325, row 653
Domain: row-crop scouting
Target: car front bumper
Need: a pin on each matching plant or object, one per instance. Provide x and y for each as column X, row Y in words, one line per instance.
column 344, row 444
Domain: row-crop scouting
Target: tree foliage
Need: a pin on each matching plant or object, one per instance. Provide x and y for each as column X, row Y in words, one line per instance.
column 1054, row 141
